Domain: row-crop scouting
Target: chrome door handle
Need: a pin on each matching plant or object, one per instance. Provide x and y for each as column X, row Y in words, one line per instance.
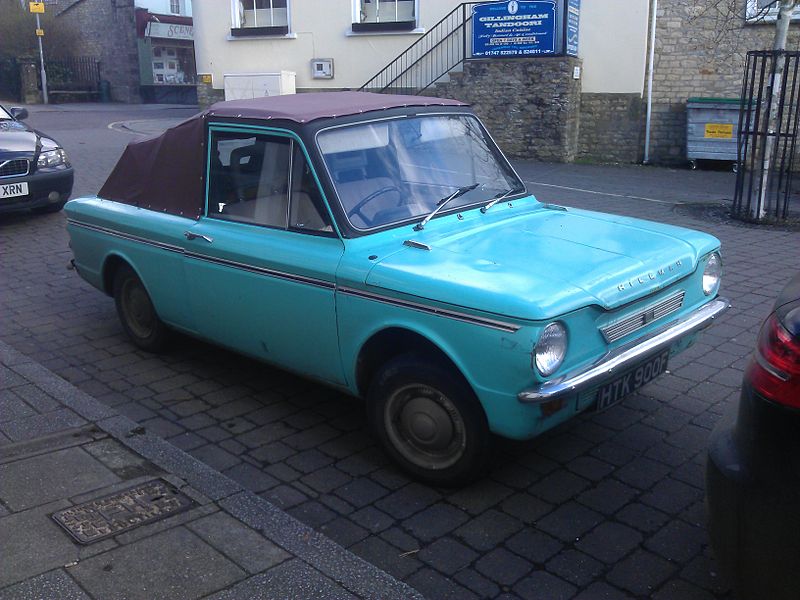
column 192, row 236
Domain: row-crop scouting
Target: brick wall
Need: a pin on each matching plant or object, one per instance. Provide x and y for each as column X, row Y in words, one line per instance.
column 107, row 31
column 531, row 106
column 611, row 128
column 701, row 47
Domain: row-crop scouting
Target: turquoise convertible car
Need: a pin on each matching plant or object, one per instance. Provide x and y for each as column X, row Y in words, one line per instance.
column 383, row 245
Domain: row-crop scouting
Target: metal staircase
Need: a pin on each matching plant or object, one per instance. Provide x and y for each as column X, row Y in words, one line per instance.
column 428, row 60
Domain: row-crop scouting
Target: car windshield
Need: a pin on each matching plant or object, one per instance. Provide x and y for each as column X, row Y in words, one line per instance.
column 3, row 114
column 392, row 171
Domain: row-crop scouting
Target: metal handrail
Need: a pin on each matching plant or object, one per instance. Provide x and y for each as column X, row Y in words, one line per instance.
column 433, row 40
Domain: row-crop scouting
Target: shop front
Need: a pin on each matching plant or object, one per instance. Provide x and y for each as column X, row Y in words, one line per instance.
column 166, row 58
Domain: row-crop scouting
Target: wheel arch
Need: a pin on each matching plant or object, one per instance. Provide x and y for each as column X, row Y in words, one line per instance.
column 111, row 265
column 392, row 341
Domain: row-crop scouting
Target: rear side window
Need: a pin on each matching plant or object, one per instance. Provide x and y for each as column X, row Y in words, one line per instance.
column 264, row 180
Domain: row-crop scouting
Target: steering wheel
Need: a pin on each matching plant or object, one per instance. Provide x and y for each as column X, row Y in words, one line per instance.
column 356, row 210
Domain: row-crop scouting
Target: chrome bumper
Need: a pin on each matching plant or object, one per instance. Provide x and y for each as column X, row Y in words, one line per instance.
column 621, row 359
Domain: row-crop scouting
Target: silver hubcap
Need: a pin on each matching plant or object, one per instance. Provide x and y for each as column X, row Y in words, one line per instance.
column 425, row 427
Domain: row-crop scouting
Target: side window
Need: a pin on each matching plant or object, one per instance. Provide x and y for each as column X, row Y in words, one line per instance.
column 307, row 210
column 249, row 178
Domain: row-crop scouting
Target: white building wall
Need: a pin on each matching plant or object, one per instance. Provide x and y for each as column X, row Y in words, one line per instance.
column 613, row 43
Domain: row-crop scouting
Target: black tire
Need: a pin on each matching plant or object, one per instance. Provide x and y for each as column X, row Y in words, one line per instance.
column 429, row 421
column 136, row 311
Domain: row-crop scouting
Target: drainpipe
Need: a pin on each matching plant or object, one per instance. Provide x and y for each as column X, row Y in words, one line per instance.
column 650, row 66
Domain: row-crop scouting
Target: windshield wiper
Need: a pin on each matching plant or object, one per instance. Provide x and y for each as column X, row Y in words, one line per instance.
column 442, row 203
column 501, row 196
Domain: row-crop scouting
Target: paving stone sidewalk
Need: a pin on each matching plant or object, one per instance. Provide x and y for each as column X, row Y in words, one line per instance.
column 59, row 447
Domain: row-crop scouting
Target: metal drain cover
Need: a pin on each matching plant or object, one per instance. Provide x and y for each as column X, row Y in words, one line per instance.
column 110, row 515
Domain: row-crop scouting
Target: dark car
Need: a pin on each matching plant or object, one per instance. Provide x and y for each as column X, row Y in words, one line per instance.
column 753, row 470
column 35, row 172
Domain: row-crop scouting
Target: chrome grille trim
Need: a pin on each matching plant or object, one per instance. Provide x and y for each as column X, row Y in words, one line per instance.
column 617, row 331
column 14, row 168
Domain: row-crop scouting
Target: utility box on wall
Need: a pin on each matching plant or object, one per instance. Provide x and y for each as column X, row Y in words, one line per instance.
column 241, row 86
column 322, row 68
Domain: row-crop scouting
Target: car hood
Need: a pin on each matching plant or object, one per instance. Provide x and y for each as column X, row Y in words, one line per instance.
column 541, row 262
column 17, row 139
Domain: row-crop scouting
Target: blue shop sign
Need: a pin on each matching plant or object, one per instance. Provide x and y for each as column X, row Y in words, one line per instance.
column 573, row 26
column 514, row 29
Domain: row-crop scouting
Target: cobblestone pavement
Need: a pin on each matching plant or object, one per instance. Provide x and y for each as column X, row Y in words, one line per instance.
column 606, row 506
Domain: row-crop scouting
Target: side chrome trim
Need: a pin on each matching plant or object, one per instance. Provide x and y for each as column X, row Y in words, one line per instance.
column 126, row 236
column 441, row 312
column 449, row 314
column 627, row 356
column 262, row 271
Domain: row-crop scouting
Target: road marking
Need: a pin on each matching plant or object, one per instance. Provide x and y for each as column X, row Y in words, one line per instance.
column 572, row 189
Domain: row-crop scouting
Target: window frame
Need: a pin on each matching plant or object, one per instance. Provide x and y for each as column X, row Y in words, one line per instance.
column 295, row 142
column 770, row 16
column 404, row 26
column 239, row 30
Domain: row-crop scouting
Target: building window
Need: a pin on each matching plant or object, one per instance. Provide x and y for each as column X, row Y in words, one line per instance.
column 760, row 11
column 260, row 17
column 384, row 15
column 175, row 7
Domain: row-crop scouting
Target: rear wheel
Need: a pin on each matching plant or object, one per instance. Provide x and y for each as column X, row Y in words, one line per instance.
column 136, row 311
column 429, row 421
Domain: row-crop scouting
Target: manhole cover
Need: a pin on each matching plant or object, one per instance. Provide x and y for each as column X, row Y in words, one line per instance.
column 98, row 519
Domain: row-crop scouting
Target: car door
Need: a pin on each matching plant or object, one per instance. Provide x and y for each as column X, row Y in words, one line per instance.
column 261, row 262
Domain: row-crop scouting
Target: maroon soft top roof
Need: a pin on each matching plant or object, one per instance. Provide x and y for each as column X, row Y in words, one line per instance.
column 166, row 172
column 302, row 108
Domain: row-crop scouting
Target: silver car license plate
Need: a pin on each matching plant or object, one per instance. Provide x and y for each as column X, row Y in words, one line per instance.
column 9, row 190
column 616, row 390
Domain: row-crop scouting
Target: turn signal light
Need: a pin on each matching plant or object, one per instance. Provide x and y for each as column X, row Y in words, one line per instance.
column 774, row 371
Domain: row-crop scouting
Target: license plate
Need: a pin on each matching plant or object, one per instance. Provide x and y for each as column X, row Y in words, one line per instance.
column 9, row 190
column 616, row 390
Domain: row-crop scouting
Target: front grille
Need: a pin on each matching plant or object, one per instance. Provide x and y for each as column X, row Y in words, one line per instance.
column 14, row 168
column 628, row 325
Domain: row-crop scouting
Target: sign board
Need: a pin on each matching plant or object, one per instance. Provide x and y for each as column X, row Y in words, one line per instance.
column 206, row 78
column 36, row 7
column 514, row 28
column 573, row 26
column 169, row 31
column 719, row 130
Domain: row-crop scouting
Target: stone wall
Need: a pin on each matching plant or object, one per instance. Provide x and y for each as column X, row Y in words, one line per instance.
column 207, row 95
column 531, row 106
column 107, row 32
column 701, row 46
column 611, row 128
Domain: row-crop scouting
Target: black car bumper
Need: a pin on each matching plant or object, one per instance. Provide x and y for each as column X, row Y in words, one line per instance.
column 44, row 189
column 753, row 497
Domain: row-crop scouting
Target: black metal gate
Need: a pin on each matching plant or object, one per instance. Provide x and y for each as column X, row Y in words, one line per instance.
column 768, row 126
column 9, row 79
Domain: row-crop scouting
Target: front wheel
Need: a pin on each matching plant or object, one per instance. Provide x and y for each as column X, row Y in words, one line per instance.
column 429, row 421
column 136, row 311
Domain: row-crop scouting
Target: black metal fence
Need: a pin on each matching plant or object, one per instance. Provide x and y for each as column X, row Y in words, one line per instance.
column 74, row 73
column 768, row 126
column 426, row 61
column 10, row 83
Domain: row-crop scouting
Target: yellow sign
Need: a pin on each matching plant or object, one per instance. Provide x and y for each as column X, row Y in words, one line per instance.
column 205, row 78
column 719, row 130
column 40, row 32
column 36, row 7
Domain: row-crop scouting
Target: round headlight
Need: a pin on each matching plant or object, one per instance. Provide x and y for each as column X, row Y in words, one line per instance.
column 712, row 274
column 551, row 349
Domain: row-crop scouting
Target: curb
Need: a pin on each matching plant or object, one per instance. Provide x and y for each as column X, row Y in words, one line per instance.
column 342, row 566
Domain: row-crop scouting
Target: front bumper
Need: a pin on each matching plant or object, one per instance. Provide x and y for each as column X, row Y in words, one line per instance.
column 40, row 187
column 623, row 358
